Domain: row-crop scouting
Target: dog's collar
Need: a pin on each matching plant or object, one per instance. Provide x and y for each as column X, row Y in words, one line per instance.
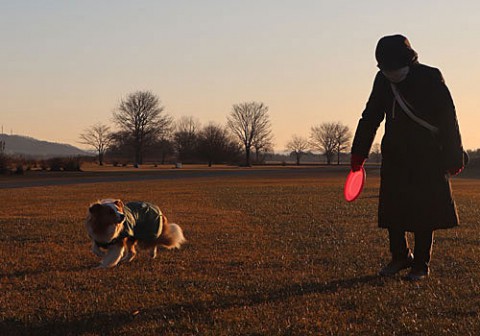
column 121, row 236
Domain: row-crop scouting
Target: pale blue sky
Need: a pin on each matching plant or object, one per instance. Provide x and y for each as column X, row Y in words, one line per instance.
column 64, row 65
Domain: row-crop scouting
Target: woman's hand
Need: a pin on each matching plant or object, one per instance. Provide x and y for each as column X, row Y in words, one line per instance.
column 356, row 162
column 455, row 171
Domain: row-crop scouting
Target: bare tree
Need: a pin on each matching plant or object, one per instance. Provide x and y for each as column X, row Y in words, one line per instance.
column 164, row 146
column 3, row 158
column 250, row 123
column 298, row 145
column 216, row 145
column 330, row 138
column 140, row 117
column 99, row 137
column 262, row 144
column 323, row 138
column 342, row 139
column 376, row 153
column 185, row 138
column 121, row 147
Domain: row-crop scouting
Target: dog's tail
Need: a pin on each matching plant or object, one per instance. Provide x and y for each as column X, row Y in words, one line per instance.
column 172, row 236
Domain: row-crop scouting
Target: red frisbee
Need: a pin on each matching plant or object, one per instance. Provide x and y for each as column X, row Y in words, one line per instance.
column 354, row 184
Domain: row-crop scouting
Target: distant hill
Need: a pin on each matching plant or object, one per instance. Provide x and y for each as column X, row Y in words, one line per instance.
column 30, row 147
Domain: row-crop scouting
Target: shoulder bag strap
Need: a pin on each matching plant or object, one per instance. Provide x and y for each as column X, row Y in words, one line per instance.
column 403, row 104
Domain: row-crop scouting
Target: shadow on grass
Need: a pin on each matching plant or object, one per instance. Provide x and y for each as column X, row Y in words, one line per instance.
column 99, row 324
column 27, row 273
column 196, row 312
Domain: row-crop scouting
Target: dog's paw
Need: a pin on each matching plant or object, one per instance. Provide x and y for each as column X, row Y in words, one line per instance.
column 125, row 257
column 153, row 253
column 100, row 254
column 96, row 250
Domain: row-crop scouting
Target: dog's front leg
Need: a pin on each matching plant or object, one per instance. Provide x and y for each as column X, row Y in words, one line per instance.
column 113, row 256
column 153, row 252
column 130, row 252
column 96, row 250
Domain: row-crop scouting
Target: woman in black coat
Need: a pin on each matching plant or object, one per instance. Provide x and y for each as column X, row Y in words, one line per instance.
column 415, row 192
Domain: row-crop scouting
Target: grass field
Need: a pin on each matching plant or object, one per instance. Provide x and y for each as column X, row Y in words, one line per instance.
column 267, row 254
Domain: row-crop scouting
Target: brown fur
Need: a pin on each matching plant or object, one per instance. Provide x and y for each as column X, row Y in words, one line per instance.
column 101, row 218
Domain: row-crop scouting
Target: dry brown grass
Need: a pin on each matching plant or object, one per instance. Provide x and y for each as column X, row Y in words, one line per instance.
column 265, row 256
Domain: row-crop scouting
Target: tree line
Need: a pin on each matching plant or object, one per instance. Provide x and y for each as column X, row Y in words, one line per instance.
column 142, row 127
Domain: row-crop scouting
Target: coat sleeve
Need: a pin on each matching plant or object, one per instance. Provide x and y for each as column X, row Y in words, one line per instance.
column 450, row 138
column 372, row 116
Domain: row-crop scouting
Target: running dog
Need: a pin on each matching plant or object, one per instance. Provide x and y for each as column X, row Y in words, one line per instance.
column 116, row 229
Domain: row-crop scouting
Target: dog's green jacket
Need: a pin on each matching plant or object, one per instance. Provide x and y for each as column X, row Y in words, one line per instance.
column 143, row 221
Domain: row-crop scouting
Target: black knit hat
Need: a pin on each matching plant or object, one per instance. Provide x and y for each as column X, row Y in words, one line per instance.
column 394, row 52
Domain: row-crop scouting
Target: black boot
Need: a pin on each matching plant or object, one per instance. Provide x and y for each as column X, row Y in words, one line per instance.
column 418, row 274
column 402, row 257
column 423, row 251
column 396, row 265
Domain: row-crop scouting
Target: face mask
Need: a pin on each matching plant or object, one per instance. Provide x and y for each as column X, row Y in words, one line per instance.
column 396, row 76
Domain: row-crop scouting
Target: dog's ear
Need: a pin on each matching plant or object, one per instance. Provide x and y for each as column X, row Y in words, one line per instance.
column 119, row 205
column 95, row 209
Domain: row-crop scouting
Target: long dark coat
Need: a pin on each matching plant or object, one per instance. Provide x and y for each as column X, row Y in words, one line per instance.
column 415, row 192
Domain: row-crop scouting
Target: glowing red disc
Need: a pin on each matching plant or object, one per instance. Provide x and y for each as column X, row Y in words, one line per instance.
column 354, row 184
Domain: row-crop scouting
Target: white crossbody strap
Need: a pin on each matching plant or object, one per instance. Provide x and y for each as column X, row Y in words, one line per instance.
column 408, row 111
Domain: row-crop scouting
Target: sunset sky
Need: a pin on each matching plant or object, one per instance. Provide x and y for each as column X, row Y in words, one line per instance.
column 65, row 65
